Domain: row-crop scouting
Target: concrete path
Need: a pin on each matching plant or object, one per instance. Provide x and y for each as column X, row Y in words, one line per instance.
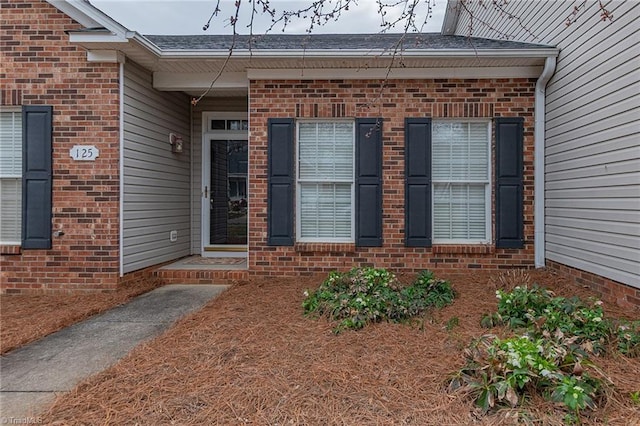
column 31, row 376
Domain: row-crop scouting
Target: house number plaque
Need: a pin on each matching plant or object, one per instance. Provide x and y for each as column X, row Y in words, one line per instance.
column 84, row 152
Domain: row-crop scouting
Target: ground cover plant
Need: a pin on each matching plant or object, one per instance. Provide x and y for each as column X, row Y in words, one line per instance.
column 368, row 295
column 251, row 357
column 553, row 353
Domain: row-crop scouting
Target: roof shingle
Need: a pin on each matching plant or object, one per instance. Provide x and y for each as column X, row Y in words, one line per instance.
column 411, row 41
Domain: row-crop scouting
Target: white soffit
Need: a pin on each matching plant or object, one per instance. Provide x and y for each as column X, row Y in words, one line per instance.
column 105, row 56
column 193, row 81
column 189, row 81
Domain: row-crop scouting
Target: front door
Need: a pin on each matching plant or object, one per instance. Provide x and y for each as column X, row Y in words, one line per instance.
column 225, row 196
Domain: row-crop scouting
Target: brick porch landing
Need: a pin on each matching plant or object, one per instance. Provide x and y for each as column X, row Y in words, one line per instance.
column 204, row 270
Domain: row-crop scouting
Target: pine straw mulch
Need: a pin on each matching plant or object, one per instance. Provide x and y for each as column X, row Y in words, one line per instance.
column 25, row 318
column 251, row 357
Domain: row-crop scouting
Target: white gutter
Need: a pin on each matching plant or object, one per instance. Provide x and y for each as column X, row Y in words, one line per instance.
column 539, row 161
column 355, row 53
column 121, row 149
column 192, row 178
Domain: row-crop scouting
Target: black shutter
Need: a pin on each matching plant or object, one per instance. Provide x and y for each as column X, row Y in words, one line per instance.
column 417, row 161
column 369, row 182
column 36, row 176
column 280, row 172
column 509, row 182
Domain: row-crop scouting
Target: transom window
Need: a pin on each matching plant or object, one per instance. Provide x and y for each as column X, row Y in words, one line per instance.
column 10, row 176
column 325, row 176
column 460, row 178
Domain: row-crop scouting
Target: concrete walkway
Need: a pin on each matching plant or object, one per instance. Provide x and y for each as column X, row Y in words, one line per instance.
column 31, row 376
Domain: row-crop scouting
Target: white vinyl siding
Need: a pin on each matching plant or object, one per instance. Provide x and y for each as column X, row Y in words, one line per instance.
column 460, row 175
column 157, row 188
column 325, row 181
column 592, row 177
column 10, row 176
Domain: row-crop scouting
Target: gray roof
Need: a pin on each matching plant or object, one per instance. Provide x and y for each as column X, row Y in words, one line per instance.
column 411, row 41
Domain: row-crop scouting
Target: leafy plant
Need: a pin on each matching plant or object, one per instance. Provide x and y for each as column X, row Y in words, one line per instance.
column 501, row 372
column 366, row 295
column 519, row 305
column 575, row 392
column 628, row 336
column 550, row 359
column 537, row 310
column 426, row 291
column 452, row 323
column 491, row 320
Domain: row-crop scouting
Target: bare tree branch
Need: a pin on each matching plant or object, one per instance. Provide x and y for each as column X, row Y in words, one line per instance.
column 408, row 16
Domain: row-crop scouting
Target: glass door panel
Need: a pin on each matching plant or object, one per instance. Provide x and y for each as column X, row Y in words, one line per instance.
column 228, row 193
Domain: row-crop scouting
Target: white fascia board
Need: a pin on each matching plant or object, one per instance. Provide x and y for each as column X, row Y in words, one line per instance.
column 362, row 53
column 72, row 12
column 88, row 15
column 394, row 73
column 163, row 80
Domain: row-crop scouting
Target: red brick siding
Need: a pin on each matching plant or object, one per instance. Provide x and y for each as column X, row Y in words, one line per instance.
column 609, row 290
column 437, row 98
column 39, row 67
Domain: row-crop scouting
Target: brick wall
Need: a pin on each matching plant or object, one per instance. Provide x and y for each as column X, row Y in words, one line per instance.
column 39, row 67
column 609, row 290
column 439, row 98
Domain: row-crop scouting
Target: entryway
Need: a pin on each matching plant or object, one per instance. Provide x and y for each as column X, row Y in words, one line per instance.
column 205, row 270
column 224, row 185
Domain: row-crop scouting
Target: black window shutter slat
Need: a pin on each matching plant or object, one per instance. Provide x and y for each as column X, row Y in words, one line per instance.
column 417, row 160
column 37, row 122
column 280, row 172
column 368, row 206
column 509, row 182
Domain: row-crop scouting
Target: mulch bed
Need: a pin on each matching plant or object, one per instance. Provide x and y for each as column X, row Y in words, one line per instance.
column 251, row 357
column 28, row 317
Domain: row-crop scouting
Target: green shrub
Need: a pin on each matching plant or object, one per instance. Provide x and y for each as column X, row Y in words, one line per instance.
column 628, row 336
column 501, row 372
column 367, row 295
column 575, row 392
column 516, row 306
column 550, row 359
column 538, row 311
column 425, row 292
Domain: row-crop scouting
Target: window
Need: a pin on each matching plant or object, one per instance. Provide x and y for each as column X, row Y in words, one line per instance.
column 10, row 176
column 325, row 176
column 460, row 178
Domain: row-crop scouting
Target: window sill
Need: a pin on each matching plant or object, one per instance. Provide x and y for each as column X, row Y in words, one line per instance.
column 10, row 249
column 325, row 247
column 464, row 249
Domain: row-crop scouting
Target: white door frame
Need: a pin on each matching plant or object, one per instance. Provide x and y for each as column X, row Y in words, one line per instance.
column 208, row 250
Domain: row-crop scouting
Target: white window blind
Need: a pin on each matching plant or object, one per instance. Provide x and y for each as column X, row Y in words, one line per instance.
column 325, row 181
column 460, row 174
column 10, row 176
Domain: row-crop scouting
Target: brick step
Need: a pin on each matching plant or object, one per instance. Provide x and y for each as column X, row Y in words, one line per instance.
column 201, row 276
